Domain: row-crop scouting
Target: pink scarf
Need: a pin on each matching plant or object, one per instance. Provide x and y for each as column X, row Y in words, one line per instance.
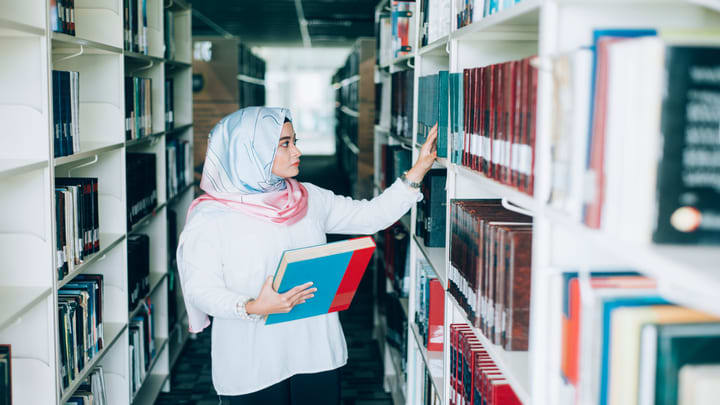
column 281, row 207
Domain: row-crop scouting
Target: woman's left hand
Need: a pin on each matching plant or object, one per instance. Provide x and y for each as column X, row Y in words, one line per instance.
column 428, row 154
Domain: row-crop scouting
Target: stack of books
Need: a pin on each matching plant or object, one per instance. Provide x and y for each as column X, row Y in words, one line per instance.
column 645, row 349
column 490, row 272
column 499, row 122
column 77, row 221
column 138, row 107
column 141, row 186
column 474, row 376
column 80, row 309
column 430, row 309
column 66, row 112
column 662, row 88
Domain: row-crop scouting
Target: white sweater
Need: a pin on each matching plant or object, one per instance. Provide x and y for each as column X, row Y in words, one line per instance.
column 228, row 255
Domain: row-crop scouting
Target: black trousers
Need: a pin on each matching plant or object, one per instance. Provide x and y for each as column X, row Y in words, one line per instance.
column 301, row 389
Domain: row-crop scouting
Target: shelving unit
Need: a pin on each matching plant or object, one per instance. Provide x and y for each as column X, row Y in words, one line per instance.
column 355, row 115
column 686, row 275
column 28, row 279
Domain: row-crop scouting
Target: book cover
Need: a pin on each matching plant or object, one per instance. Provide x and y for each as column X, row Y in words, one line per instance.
column 335, row 270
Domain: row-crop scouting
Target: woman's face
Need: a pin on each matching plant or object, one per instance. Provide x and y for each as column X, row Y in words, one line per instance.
column 287, row 157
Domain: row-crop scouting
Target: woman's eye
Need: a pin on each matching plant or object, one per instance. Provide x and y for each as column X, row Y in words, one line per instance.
column 285, row 144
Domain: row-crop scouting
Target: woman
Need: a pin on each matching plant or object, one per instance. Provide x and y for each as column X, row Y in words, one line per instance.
column 231, row 245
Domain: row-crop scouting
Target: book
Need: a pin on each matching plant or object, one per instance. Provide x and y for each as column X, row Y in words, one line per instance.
column 626, row 324
column 699, row 384
column 335, row 270
column 675, row 345
column 5, row 375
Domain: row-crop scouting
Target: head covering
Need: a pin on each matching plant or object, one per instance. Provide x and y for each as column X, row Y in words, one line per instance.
column 238, row 167
column 237, row 174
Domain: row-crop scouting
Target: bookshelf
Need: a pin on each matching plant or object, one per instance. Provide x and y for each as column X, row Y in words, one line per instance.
column 355, row 115
column 28, row 280
column 686, row 275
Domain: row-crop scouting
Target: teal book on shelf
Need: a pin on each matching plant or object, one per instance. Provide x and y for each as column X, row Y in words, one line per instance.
column 335, row 270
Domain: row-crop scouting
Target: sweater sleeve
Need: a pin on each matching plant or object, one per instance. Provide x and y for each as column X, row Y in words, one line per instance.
column 202, row 276
column 348, row 216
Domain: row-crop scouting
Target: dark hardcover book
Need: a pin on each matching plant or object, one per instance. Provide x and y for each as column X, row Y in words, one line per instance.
column 138, row 268
column 66, row 112
column 57, row 126
column 688, row 196
column 678, row 345
column 435, row 207
column 97, row 282
column 5, row 375
column 443, row 117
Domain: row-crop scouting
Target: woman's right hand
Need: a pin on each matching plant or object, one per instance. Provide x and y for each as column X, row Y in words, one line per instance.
column 270, row 302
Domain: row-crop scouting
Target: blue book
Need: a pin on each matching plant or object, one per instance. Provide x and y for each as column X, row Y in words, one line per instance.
column 610, row 304
column 335, row 270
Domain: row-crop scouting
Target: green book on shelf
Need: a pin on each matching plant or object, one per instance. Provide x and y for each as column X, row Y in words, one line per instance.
column 666, row 349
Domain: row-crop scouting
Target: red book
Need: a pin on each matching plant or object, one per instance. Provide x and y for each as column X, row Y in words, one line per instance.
column 436, row 316
column 335, row 270
column 479, row 83
column 532, row 123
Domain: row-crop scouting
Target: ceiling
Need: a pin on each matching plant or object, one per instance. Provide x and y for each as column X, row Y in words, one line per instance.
column 277, row 22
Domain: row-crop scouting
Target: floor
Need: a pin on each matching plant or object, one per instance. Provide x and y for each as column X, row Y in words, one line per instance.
column 191, row 382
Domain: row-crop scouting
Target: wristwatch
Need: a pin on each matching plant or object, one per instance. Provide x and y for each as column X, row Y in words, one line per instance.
column 409, row 183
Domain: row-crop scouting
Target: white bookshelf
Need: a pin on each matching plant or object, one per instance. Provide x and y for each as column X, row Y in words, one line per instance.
column 686, row 275
column 28, row 279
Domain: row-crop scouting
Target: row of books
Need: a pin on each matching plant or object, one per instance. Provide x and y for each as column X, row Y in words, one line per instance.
column 142, row 348
column 397, row 327
column 401, row 103
column 169, row 103
column 383, row 39
column 403, row 35
column 249, row 64
column 395, row 160
column 431, row 210
column 77, row 222
column 138, row 269
column 138, row 107
column 499, row 122
column 660, row 87
column 433, row 108
column 396, row 257
column 435, row 20
column 62, row 16
column 92, row 390
column 135, row 23
column 5, row 374
column 141, row 186
column 179, row 157
column 430, row 395
column 174, row 291
column 430, row 306
column 474, row 376
column 251, row 94
column 169, row 32
column 66, row 112
column 646, row 350
column 490, row 272
column 80, row 316
column 470, row 11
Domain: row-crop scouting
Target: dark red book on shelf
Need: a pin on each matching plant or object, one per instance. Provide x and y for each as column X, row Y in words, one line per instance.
column 533, row 121
column 469, row 83
column 518, row 279
column 522, row 130
column 475, row 147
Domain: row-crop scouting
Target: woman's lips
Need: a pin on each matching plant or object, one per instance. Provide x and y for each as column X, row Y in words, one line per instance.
column 296, row 163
